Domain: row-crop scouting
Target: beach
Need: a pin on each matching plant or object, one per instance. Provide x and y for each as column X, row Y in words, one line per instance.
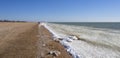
column 28, row 40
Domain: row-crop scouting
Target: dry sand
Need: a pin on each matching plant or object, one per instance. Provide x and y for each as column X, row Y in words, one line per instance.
column 27, row 40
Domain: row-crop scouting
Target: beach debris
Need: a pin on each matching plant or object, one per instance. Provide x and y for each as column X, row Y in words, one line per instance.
column 56, row 39
column 54, row 53
column 44, row 45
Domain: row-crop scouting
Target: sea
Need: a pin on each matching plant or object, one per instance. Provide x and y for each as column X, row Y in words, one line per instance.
column 96, row 39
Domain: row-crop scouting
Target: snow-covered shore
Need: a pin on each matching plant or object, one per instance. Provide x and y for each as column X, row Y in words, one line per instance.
column 86, row 42
column 65, row 41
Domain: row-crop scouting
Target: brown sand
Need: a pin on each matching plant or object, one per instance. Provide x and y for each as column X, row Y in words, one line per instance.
column 18, row 40
column 25, row 40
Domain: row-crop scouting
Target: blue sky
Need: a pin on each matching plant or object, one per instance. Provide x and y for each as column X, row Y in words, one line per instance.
column 61, row 10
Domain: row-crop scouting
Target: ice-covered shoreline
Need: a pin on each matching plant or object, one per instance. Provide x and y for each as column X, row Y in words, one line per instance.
column 64, row 41
column 86, row 42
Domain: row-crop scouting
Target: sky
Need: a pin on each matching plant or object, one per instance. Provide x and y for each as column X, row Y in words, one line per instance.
column 61, row 10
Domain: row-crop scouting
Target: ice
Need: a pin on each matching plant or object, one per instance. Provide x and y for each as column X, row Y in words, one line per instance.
column 54, row 34
column 64, row 42
column 92, row 43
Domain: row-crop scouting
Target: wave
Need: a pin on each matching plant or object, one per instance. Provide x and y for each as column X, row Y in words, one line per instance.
column 91, row 43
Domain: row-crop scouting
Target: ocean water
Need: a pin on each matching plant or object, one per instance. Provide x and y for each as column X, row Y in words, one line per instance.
column 109, row 25
column 96, row 40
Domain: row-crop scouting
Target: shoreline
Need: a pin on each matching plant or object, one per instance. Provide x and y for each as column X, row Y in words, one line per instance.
column 63, row 41
column 51, row 44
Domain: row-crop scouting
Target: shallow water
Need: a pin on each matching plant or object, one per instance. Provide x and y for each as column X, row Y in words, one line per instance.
column 95, row 42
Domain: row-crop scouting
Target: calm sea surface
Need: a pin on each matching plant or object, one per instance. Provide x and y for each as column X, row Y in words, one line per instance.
column 110, row 25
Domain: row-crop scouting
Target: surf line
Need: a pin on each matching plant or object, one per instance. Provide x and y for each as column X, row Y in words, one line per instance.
column 63, row 41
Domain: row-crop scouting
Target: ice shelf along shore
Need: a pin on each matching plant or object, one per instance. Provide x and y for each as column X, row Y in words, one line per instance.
column 86, row 42
column 64, row 41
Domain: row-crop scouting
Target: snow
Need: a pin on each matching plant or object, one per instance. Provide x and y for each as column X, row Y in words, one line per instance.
column 86, row 42
column 65, row 41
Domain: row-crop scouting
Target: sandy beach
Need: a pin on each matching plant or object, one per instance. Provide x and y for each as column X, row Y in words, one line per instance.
column 27, row 40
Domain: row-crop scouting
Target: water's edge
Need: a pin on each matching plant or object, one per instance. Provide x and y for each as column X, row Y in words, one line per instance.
column 63, row 42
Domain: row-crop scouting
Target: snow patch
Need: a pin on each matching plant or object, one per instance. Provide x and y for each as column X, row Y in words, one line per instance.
column 65, row 41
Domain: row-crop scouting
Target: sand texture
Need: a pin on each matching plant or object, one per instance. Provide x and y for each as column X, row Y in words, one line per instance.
column 27, row 40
